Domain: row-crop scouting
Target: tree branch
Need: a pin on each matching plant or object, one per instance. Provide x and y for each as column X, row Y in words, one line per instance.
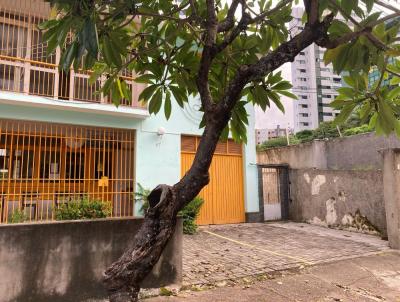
column 388, row 6
column 374, row 40
column 312, row 10
column 286, row 52
column 208, row 54
column 271, row 11
column 229, row 21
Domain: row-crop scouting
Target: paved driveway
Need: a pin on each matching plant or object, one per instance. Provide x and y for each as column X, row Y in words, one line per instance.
column 229, row 252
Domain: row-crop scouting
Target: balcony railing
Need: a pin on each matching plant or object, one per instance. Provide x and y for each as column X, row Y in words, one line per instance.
column 26, row 68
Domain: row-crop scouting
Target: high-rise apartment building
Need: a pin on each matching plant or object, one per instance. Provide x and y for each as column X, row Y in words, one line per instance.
column 314, row 83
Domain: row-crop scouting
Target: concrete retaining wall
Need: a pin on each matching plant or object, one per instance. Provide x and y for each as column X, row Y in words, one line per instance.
column 64, row 261
column 345, row 198
column 358, row 152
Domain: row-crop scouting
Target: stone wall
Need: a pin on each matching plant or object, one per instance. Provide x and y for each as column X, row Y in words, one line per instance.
column 359, row 152
column 64, row 261
column 341, row 198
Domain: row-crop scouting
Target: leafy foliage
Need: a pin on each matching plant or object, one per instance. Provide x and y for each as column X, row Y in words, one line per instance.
column 189, row 215
column 278, row 142
column 357, row 130
column 18, row 216
column 305, row 135
column 84, row 208
column 141, row 196
column 326, row 130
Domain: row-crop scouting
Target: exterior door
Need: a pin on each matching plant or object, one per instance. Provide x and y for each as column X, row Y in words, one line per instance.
column 274, row 190
column 224, row 195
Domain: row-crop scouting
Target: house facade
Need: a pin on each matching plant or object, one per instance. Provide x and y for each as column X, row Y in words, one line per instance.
column 60, row 140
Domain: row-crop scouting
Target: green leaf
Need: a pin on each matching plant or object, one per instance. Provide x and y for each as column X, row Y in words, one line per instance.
column 179, row 95
column 346, row 91
column 148, row 92
column 369, row 4
column 167, row 105
column 275, row 98
column 68, row 56
column 225, row 133
column 393, row 93
column 288, row 94
column 284, row 85
column 110, row 53
column 349, row 5
column 156, row 102
column 90, row 37
column 145, row 79
column 338, row 28
column 344, row 113
column 126, row 92
column 120, row 88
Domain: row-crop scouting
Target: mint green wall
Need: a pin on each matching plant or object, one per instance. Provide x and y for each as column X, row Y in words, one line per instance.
column 157, row 157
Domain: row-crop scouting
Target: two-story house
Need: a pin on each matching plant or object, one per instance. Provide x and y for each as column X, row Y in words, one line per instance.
column 60, row 140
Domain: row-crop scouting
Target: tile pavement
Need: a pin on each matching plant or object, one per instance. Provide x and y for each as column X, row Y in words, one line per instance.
column 231, row 252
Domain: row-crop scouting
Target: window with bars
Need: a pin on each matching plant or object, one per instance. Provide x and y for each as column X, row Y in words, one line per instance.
column 43, row 165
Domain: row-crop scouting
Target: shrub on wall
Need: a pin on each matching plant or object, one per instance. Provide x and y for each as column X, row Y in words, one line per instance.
column 326, row 130
column 278, row 142
column 357, row 130
column 18, row 216
column 305, row 136
column 84, row 208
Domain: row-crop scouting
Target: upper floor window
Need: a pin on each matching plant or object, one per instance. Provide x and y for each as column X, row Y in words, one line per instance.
column 25, row 65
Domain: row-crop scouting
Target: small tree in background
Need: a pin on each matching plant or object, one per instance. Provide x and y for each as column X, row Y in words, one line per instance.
column 225, row 53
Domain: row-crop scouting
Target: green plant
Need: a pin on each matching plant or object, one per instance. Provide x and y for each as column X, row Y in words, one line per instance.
column 141, row 196
column 357, row 130
column 326, row 130
column 305, row 136
column 84, row 208
column 165, row 292
column 189, row 215
column 279, row 142
column 18, row 216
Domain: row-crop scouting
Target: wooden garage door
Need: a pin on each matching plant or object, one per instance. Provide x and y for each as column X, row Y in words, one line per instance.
column 224, row 196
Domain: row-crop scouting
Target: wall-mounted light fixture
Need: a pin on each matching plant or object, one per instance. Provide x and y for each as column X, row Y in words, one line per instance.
column 161, row 131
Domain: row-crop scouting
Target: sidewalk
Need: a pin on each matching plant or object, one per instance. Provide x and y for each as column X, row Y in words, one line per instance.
column 372, row 278
column 230, row 252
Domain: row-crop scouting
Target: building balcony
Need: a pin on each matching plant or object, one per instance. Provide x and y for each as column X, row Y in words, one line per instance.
column 30, row 75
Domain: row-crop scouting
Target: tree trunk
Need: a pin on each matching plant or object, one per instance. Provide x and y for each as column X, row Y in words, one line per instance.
column 123, row 279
